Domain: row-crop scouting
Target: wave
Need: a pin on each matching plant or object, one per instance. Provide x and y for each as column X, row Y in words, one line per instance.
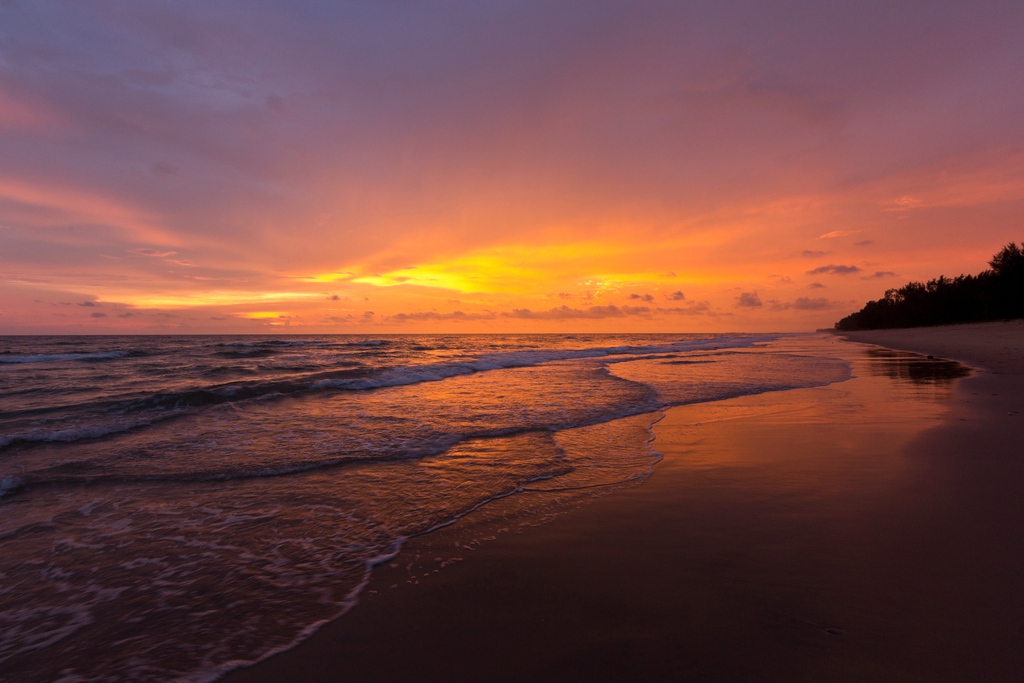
column 687, row 362
column 234, row 392
column 229, row 370
column 9, row 485
column 70, row 474
column 288, row 343
column 77, row 473
column 368, row 342
column 246, row 353
column 56, row 357
column 72, row 434
column 164, row 405
column 403, row 376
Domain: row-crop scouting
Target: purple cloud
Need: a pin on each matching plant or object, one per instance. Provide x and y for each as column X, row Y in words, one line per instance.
column 749, row 300
column 802, row 303
column 567, row 313
column 834, row 270
column 805, row 304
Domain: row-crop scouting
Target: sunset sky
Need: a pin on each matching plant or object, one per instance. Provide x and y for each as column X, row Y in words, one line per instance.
column 391, row 166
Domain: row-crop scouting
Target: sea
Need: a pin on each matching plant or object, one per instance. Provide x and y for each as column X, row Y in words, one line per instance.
column 172, row 508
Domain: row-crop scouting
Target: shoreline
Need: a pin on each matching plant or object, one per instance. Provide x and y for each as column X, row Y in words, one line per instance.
column 745, row 556
column 993, row 346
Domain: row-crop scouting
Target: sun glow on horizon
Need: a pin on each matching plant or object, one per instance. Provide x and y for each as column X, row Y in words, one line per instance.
column 661, row 168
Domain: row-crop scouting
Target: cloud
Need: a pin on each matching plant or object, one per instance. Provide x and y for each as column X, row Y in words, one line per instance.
column 832, row 269
column 676, row 296
column 816, row 285
column 566, row 313
column 425, row 316
column 498, row 129
column 805, row 304
column 693, row 308
column 863, row 243
column 880, row 274
column 87, row 303
column 807, row 253
column 904, row 203
column 749, row 300
column 643, row 297
column 802, row 303
column 98, row 314
column 601, row 312
column 557, row 313
column 334, row 297
column 129, row 314
column 165, row 255
column 153, row 252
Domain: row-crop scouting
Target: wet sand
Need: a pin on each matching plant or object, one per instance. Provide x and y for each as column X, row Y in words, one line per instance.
column 997, row 347
column 864, row 531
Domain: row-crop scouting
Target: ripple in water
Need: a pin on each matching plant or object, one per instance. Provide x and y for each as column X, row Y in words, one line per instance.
column 179, row 542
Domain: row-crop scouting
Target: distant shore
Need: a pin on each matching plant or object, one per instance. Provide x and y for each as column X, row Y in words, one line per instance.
column 867, row 530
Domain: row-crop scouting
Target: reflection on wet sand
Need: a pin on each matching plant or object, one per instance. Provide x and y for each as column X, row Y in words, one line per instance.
column 915, row 368
column 866, row 530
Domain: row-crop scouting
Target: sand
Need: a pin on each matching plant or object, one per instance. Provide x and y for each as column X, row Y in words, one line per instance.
column 865, row 531
column 998, row 347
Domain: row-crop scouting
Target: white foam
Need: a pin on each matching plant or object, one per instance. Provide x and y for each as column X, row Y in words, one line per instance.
column 73, row 434
column 517, row 359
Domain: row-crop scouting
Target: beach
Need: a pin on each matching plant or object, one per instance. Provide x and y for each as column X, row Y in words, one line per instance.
column 864, row 530
column 173, row 508
column 494, row 341
column 995, row 346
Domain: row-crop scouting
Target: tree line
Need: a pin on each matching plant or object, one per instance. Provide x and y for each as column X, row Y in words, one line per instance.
column 995, row 294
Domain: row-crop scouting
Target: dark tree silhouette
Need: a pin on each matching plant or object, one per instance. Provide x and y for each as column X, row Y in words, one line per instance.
column 996, row 294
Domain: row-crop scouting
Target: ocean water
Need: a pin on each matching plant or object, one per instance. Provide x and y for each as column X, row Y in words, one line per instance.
column 174, row 507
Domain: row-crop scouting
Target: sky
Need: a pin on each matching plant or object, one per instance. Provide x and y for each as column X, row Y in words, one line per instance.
column 476, row 166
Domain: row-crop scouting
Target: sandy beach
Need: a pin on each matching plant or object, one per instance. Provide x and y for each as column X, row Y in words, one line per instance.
column 499, row 341
column 997, row 347
column 866, row 530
